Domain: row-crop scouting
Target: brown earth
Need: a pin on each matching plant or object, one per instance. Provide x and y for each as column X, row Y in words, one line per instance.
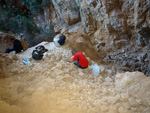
column 53, row 86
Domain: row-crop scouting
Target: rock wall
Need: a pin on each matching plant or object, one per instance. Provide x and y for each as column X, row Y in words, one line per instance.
column 113, row 26
column 134, row 90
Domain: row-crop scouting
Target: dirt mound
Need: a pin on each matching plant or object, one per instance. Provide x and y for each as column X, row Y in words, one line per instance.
column 81, row 43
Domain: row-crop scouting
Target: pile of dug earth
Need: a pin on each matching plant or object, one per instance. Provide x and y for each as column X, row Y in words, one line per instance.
column 53, row 86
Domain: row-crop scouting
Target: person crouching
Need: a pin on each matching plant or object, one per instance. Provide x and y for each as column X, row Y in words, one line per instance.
column 79, row 59
column 16, row 46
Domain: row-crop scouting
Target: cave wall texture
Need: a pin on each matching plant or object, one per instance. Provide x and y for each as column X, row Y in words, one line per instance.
column 118, row 29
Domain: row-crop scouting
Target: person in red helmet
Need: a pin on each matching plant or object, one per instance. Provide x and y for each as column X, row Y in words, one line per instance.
column 79, row 59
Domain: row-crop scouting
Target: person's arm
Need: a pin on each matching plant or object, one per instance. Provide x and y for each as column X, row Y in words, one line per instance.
column 68, row 60
column 12, row 47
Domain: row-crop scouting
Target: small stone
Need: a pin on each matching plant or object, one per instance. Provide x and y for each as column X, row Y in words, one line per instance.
column 133, row 102
column 104, row 108
column 108, row 79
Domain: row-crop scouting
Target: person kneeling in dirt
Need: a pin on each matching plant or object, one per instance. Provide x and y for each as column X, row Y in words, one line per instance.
column 37, row 54
column 79, row 59
column 16, row 47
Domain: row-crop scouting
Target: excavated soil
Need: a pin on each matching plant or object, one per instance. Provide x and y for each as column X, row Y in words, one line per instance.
column 53, row 86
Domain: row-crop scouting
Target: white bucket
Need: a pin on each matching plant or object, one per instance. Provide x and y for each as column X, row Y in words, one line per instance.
column 96, row 70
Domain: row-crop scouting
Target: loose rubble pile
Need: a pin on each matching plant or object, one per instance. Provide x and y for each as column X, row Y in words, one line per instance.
column 53, row 86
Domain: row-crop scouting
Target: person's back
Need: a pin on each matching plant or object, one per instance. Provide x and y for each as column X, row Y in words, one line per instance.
column 62, row 39
column 17, row 46
column 80, row 57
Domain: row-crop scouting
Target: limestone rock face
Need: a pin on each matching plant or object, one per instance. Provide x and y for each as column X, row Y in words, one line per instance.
column 136, row 85
column 88, row 20
column 114, row 27
column 68, row 10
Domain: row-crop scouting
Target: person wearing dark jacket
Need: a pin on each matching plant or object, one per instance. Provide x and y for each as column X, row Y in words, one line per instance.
column 17, row 46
